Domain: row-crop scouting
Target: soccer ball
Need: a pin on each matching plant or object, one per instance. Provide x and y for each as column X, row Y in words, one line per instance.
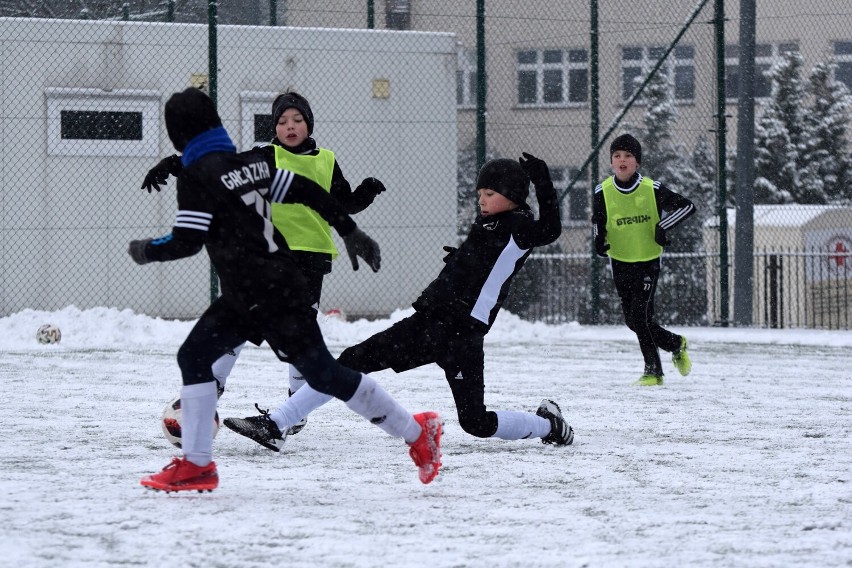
column 48, row 333
column 170, row 421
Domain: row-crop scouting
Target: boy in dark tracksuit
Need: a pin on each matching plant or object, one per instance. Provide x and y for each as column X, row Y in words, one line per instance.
column 454, row 312
column 224, row 201
column 631, row 216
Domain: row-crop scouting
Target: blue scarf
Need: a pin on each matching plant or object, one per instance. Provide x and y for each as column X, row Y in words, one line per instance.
column 215, row 140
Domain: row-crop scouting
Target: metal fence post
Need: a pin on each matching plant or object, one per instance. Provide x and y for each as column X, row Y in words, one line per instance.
column 594, row 106
column 743, row 260
column 212, row 22
column 481, row 84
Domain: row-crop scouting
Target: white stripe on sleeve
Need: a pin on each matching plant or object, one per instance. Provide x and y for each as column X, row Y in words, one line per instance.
column 676, row 217
column 197, row 220
column 280, row 185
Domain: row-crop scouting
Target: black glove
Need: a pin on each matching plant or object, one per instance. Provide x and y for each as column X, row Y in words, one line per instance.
column 136, row 250
column 358, row 243
column 158, row 175
column 601, row 246
column 371, row 186
column 660, row 236
column 450, row 252
column 536, row 169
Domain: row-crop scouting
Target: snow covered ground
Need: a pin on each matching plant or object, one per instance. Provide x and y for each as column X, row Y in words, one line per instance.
column 746, row 462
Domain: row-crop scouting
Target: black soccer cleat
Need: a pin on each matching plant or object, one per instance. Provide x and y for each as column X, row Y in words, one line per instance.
column 262, row 429
column 561, row 433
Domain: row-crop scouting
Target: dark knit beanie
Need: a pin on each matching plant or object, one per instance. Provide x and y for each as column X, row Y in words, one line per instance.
column 188, row 114
column 507, row 178
column 626, row 143
column 293, row 100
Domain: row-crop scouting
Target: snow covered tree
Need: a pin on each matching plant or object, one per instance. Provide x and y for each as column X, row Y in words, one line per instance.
column 659, row 153
column 779, row 136
column 704, row 165
column 705, row 191
column 827, row 170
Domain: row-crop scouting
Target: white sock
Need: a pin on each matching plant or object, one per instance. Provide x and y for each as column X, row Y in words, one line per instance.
column 223, row 366
column 376, row 405
column 512, row 425
column 294, row 409
column 197, row 411
column 296, row 379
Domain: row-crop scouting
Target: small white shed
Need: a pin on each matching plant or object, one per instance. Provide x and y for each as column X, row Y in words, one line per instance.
column 802, row 266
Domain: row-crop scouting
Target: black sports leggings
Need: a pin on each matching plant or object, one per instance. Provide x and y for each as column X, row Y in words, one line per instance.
column 636, row 284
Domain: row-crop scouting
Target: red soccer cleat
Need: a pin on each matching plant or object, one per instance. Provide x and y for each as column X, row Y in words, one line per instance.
column 183, row 475
column 426, row 451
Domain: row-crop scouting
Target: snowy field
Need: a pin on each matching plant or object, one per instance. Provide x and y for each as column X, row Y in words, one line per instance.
column 746, row 462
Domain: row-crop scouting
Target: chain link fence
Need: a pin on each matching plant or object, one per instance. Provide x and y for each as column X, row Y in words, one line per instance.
column 408, row 102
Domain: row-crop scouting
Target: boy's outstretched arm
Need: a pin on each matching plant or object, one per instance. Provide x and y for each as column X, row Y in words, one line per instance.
column 359, row 199
column 288, row 187
column 159, row 174
column 549, row 225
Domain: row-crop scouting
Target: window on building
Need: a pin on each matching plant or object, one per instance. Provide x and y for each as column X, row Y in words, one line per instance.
column 843, row 60
column 398, row 14
column 553, row 77
column 466, row 85
column 575, row 203
column 93, row 122
column 765, row 56
column 100, row 125
column 636, row 62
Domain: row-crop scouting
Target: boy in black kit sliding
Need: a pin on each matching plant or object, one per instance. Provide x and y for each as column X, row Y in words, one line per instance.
column 224, row 202
column 454, row 312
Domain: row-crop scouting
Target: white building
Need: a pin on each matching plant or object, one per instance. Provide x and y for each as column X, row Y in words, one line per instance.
column 71, row 197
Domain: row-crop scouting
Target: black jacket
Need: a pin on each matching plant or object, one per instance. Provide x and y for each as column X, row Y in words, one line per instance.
column 471, row 288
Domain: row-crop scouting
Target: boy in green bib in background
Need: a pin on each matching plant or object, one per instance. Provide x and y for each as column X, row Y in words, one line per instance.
column 631, row 216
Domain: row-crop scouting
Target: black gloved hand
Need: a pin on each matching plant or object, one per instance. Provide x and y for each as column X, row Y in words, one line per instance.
column 601, row 246
column 136, row 250
column 660, row 236
column 358, row 243
column 536, row 169
column 371, row 186
column 158, row 175
column 450, row 252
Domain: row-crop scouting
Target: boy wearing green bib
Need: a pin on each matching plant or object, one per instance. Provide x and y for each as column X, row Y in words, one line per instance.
column 631, row 215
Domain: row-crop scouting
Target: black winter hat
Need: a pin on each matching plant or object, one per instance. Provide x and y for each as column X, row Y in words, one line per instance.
column 507, row 178
column 627, row 143
column 293, row 100
column 188, row 114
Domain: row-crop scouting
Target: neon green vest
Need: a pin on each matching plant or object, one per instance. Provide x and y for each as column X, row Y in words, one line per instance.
column 631, row 220
column 302, row 227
